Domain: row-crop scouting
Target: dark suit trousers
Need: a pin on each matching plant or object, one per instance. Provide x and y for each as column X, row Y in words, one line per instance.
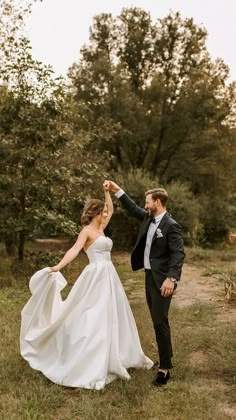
column 159, row 307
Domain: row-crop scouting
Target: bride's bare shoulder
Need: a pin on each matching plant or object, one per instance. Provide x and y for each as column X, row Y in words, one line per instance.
column 87, row 231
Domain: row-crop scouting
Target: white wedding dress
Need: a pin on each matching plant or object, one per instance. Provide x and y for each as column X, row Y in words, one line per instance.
column 90, row 338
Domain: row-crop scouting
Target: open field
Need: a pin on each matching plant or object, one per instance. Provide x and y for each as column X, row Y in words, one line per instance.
column 203, row 384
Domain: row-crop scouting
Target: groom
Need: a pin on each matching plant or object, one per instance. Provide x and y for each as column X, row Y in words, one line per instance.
column 159, row 250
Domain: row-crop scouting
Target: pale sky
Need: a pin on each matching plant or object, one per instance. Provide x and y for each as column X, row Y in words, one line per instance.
column 58, row 28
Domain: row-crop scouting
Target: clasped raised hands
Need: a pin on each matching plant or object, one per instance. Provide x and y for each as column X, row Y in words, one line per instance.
column 111, row 186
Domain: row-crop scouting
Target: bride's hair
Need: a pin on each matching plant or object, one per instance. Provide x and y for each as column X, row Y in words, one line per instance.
column 91, row 209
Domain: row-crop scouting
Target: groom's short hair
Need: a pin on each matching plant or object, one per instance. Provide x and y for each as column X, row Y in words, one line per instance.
column 160, row 193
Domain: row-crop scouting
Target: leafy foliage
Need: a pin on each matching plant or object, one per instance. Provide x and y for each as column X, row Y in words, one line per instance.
column 164, row 98
column 168, row 108
column 42, row 158
column 145, row 105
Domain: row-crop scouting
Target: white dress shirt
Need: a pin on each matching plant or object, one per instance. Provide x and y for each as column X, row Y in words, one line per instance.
column 151, row 232
column 119, row 193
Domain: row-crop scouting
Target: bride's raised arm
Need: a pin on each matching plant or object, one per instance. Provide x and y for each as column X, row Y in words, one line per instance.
column 108, row 203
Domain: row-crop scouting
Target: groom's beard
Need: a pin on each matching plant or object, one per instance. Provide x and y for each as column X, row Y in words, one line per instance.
column 152, row 212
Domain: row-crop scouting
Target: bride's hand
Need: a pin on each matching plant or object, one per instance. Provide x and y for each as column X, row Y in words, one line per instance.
column 112, row 186
column 106, row 185
column 54, row 269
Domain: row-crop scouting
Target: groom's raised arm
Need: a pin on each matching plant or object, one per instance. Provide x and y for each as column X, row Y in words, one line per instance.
column 126, row 201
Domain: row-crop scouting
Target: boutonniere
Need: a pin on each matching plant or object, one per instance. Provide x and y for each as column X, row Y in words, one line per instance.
column 159, row 233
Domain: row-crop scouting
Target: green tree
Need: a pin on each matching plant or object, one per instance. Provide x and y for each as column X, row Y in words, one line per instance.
column 32, row 135
column 46, row 172
column 165, row 106
column 164, row 98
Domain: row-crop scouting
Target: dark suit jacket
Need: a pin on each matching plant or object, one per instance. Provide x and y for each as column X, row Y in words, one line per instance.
column 167, row 249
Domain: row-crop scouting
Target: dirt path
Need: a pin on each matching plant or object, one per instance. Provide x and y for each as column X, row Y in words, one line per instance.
column 194, row 287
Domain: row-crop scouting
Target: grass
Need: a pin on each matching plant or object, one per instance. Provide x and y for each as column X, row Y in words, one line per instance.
column 222, row 257
column 203, row 385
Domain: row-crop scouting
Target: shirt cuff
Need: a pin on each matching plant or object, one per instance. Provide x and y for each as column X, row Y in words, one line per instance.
column 119, row 193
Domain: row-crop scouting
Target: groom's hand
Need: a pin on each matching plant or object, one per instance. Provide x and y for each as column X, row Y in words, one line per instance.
column 167, row 288
column 113, row 186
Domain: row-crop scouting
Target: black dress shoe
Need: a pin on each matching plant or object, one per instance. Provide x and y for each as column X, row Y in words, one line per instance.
column 161, row 378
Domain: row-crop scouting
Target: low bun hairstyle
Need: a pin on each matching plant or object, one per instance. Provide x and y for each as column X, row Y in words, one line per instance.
column 91, row 209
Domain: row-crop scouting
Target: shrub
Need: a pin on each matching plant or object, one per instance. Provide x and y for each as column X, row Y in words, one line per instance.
column 33, row 261
column 229, row 279
column 214, row 217
column 185, row 209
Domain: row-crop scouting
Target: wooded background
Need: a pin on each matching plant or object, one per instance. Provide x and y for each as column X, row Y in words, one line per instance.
column 144, row 105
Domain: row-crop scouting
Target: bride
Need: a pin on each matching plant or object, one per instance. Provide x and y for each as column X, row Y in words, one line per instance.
column 91, row 338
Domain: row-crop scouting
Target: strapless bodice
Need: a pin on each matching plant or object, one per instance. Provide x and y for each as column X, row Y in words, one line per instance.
column 100, row 250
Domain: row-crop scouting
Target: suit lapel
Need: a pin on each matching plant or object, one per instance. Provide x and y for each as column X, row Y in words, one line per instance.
column 163, row 220
column 143, row 230
column 146, row 225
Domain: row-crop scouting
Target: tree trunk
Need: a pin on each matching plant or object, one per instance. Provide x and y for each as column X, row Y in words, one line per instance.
column 124, row 155
column 10, row 245
column 153, row 152
column 21, row 246
column 155, row 145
